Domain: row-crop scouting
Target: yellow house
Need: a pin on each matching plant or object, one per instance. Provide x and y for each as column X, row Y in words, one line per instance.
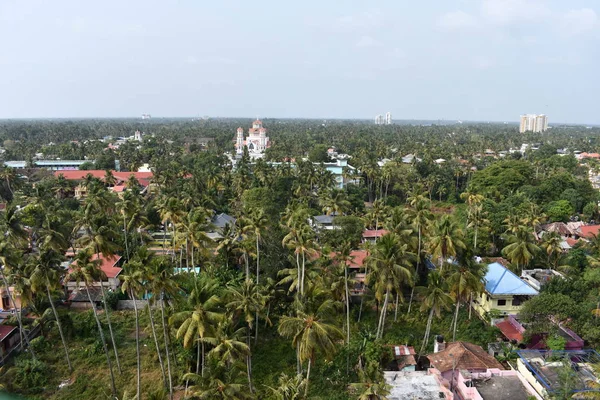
column 504, row 291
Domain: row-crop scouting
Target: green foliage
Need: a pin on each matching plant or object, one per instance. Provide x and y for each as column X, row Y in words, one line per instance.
column 112, row 299
column 556, row 342
column 559, row 211
column 30, row 376
column 542, row 309
column 318, row 153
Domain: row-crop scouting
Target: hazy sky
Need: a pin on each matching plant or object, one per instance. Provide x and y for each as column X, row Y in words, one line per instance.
column 429, row 59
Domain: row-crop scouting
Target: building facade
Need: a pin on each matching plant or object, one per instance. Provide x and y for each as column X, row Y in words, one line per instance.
column 533, row 123
column 256, row 142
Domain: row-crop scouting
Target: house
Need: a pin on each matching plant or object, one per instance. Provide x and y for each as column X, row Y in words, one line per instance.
column 320, row 222
column 504, row 292
column 79, row 298
column 418, row 385
column 514, row 331
column 219, row 222
column 356, row 265
column 588, row 231
column 110, row 267
column 542, row 370
column 538, row 277
column 7, row 304
column 457, row 356
column 371, row 235
column 404, row 358
column 9, row 338
column 473, row 374
column 493, row 384
column 121, row 179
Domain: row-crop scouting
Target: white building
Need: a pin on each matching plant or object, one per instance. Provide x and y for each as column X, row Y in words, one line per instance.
column 257, row 140
column 381, row 119
column 388, row 118
column 533, row 123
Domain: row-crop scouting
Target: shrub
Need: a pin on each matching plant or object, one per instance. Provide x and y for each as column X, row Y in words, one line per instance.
column 30, row 375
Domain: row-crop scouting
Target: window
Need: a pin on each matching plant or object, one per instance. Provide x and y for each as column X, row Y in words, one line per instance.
column 501, row 302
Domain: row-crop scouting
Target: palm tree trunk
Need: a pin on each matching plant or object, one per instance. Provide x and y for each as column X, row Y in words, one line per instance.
column 194, row 263
column 247, row 265
column 475, row 241
column 298, row 366
column 426, row 337
column 62, row 336
column 257, row 260
column 198, row 358
column 202, row 368
column 249, row 361
column 112, row 376
column 303, row 273
column 412, row 292
column 396, row 308
column 137, row 348
column 299, row 270
column 110, row 330
column 307, row 378
column 164, row 325
column 17, row 313
column 347, row 305
column 470, row 305
column 160, row 361
column 362, row 298
column 455, row 320
column 384, row 312
column 126, row 245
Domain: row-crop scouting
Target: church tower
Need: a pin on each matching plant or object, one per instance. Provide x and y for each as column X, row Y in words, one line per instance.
column 239, row 143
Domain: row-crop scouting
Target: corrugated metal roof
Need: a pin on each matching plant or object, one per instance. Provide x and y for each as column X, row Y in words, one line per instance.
column 501, row 280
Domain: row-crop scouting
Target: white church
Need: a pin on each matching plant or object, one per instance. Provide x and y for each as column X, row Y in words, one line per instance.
column 257, row 140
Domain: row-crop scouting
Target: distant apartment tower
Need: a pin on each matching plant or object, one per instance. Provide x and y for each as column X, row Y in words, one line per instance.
column 381, row 119
column 146, row 116
column 388, row 118
column 533, row 123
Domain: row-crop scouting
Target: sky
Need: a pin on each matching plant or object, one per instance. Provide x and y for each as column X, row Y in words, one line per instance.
column 484, row 60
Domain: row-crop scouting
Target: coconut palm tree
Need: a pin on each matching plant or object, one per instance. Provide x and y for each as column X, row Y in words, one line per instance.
column 163, row 287
column 445, row 240
column 465, row 279
column 521, row 248
column 85, row 270
column 551, row 245
column 301, row 240
column 434, row 299
column 247, row 301
column 288, row 388
column 223, row 382
column 133, row 284
column 311, row 333
column 195, row 324
column 46, row 277
column 254, row 225
column 390, row 269
column 371, row 385
column 420, row 214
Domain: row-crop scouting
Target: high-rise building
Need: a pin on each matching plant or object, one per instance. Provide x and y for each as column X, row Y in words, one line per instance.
column 533, row 123
column 381, row 119
column 388, row 118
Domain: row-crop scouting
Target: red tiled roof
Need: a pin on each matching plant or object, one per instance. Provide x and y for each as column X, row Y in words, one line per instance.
column 571, row 242
column 463, row 355
column 589, row 231
column 107, row 265
column 78, row 175
column 358, row 258
column 118, row 188
column 372, row 233
column 509, row 331
column 6, row 330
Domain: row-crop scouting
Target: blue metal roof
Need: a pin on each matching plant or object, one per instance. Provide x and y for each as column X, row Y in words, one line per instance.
column 500, row 280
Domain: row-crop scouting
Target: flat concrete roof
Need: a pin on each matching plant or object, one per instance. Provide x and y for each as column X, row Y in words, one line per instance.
column 415, row 385
column 501, row 388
